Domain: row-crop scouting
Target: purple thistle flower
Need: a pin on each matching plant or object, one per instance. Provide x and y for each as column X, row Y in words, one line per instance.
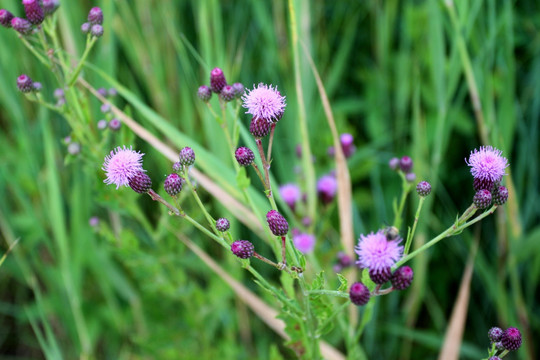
column 22, row 26
column 327, row 188
column 259, row 128
column 24, row 83
column 495, row 334
column 115, row 124
column 347, row 144
column 244, row 249
column 95, row 16
column 34, row 12
column 204, row 93
column 222, row 224
column 5, row 18
column 290, row 194
column 96, row 30
column 487, row 166
column 173, row 184
column 217, row 80
column 244, row 156
column 511, row 339
column 264, row 102
column 85, row 28
column 50, row 6
column 406, row 164
column 359, row 294
column 227, row 93
column 304, row 242
column 376, row 253
column 277, row 223
column 121, row 165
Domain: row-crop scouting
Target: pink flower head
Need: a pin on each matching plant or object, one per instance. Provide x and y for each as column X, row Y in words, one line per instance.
column 264, row 102
column 122, row 164
column 327, row 188
column 290, row 194
column 376, row 253
column 487, row 164
column 304, row 242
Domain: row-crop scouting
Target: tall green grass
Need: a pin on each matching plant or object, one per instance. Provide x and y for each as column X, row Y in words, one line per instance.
column 399, row 76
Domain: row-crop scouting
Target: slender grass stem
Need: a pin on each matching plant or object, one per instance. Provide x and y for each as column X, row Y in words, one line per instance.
column 90, row 41
column 416, row 217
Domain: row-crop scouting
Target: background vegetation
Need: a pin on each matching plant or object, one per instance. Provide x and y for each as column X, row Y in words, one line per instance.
column 399, row 75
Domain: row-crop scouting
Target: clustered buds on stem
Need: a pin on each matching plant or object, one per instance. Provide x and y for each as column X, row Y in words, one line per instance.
column 507, row 340
column 488, row 167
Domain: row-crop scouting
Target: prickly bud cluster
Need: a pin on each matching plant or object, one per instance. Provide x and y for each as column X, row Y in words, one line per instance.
column 5, row 18
column 500, row 195
column 423, row 188
column 173, row 184
column 34, row 12
column 380, row 276
column 140, row 182
column 277, row 223
column 359, row 294
column 243, row 249
column 482, row 199
column 511, row 339
column 187, row 156
column 22, row 26
column 244, row 156
column 495, row 334
column 217, row 80
column 204, row 93
column 25, row 84
column 222, row 224
column 227, row 93
column 259, row 127
column 402, row 278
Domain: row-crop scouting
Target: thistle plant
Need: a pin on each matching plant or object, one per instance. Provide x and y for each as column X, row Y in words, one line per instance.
column 317, row 285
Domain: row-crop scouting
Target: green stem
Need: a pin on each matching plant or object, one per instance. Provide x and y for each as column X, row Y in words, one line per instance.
column 330, row 293
column 406, row 187
column 90, row 41
column 416, row 217
column 270, row 142
column 209, row 218
column 33, row 50
column 452, row 230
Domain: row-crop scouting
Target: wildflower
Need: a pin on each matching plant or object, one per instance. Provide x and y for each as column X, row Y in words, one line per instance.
column 102, row 91
column 85, row 28
column 222, row 224
column 34, row 12
column 482, row 199
column 122, row 164
column 327, row 188
column 95, row 16
column 290, row 194
column 495, row 334
column 264, row 102
column 5, row 18
column 304, row 242
column 25, row 84
column 277, row 223
column 423, row 188
column 511, row 339
column 376, row 253
column 500, row 195
column 402, row 278
column 487, row 167
column 115, row 124
column 259, row 127
column 242, row 248
column 393, row 163
column 410, row 177
column 93, row 221
column 96, row 30
column 238, row 90
column 217, row 80
column 359, row 294
column 347, row 144
column 187, row 156
column 74, row 148
column 22, row 26
column 36, row 86
column 244, row 156
column 102, row 124
column 50, row 6
column 140, row 182
column 173, row 184
column 227, row 93
column 204, row 93
column 406, row 164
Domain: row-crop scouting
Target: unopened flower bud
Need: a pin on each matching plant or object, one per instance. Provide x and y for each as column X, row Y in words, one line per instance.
column 204, row 93
column 34, row 12
column 96, row 30
column 22, row 26
column 217, row 80
column 244, row 156
column 95, row 16
column 187, row 156
column 359, row 294
column 140, row 182
column 5, row 18
column 25, row 84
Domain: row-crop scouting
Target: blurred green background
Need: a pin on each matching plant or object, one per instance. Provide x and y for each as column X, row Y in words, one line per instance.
column 398, row 75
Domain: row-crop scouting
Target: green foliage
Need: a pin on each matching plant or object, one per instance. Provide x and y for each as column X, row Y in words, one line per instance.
column 398, row 76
